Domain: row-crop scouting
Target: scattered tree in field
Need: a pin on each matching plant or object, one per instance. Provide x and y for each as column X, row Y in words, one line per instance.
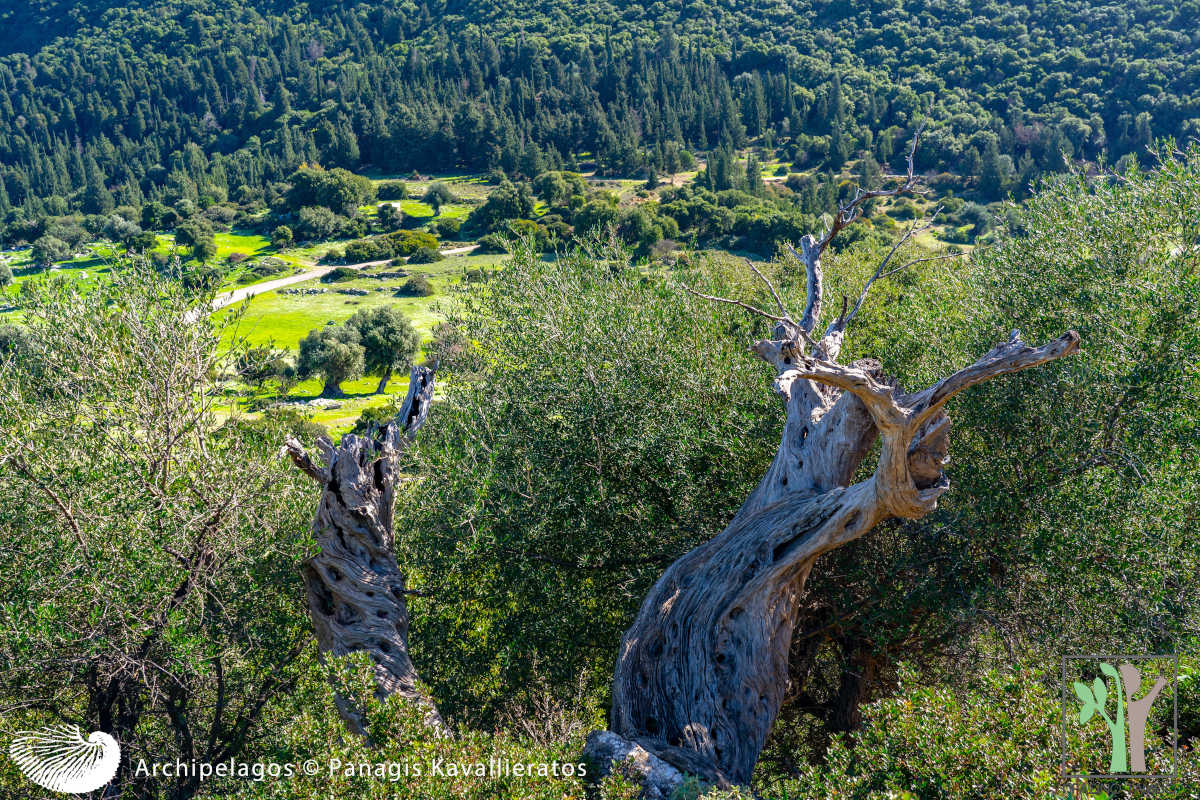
column 144, row 241
column 257, row 365
column 507, row 201
column 49, row 250
column 437, row 195
column 121, row 230
column 389, row 341
column 204, row 248
column 339, row 190
column 416, row 286
column 6, row 275
column 390, row 216
column 198, row 238
column 556, row 187
column 425, row 255
column 334, row 353
column 318, row 222
column 392, row 190
column 282, row 237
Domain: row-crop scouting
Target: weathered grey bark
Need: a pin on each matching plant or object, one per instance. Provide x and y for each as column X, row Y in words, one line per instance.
column 356, row 590
column 703, row 669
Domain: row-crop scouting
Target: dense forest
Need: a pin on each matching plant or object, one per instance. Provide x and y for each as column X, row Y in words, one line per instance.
column 213, row 100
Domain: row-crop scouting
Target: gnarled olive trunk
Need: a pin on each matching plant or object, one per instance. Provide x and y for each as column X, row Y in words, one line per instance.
column 356, row 590
column 703, row 670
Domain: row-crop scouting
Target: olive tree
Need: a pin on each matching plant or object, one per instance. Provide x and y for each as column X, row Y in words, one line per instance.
column 702, row 672
column 334, row 353
column 149, row 550
column 48, row 250
column 389, row 341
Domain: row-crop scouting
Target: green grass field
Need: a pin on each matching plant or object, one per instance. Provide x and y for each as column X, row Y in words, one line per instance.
column 284, row 319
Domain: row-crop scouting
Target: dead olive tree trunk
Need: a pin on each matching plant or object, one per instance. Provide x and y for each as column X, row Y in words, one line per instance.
column 356, row 590
column 702, row 672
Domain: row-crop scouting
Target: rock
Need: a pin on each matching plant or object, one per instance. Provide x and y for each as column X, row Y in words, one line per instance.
column 609, row 751
column 354, row 292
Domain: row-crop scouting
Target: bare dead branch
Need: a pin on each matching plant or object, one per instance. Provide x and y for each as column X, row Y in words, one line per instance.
column 1010, row 356
column 738, row 303
column 853, row 210
column 300, row 457
column 779, row 302
column 882, row 272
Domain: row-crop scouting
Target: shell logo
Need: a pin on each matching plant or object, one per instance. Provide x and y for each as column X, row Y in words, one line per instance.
column 62, row 759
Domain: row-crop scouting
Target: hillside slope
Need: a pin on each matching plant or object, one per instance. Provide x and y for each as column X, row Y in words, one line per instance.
column 194, row 98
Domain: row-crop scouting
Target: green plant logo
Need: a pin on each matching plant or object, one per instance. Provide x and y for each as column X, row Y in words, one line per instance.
column 1128, row 714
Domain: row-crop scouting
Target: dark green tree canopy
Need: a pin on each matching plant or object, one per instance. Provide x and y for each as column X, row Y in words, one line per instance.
column 333, row 353
column 388, row 339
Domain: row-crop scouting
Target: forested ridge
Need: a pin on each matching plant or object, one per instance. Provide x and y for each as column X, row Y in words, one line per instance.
column 218, row 99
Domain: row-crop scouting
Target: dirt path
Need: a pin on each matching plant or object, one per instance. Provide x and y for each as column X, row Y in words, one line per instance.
column 245, row 293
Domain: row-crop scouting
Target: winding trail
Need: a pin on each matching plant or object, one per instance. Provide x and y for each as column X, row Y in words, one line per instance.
column 246, row 292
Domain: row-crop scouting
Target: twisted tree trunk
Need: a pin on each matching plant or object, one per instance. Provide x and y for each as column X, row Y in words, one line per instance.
column 703, row 670
column 356, row 590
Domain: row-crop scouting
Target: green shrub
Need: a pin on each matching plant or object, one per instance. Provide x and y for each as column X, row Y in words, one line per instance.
column 405, row 243
column 416, row 286
column 377, row 248
column 425, row 255
column 397, row 735
column 448, row 227
column 392, row 190
column 903, row 209
column 492, row 243
column 998, row 737
column 339, row 274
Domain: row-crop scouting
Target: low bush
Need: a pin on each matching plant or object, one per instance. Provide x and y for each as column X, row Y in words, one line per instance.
column 377, row 248
column 405, row 243
column 416, row 286
column 492, row 243
column 425, row 255
column 447, row 227
column 339, row 274
column 424, row 765
column 998, row 737
column 392, row 190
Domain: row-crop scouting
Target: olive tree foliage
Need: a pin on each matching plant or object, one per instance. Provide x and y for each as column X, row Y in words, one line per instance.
column 389, row 341
column 596, row 422
column 149, row 553
column 48, row 250
column 1110, row 477
column 557, row 515
column 334, row 353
